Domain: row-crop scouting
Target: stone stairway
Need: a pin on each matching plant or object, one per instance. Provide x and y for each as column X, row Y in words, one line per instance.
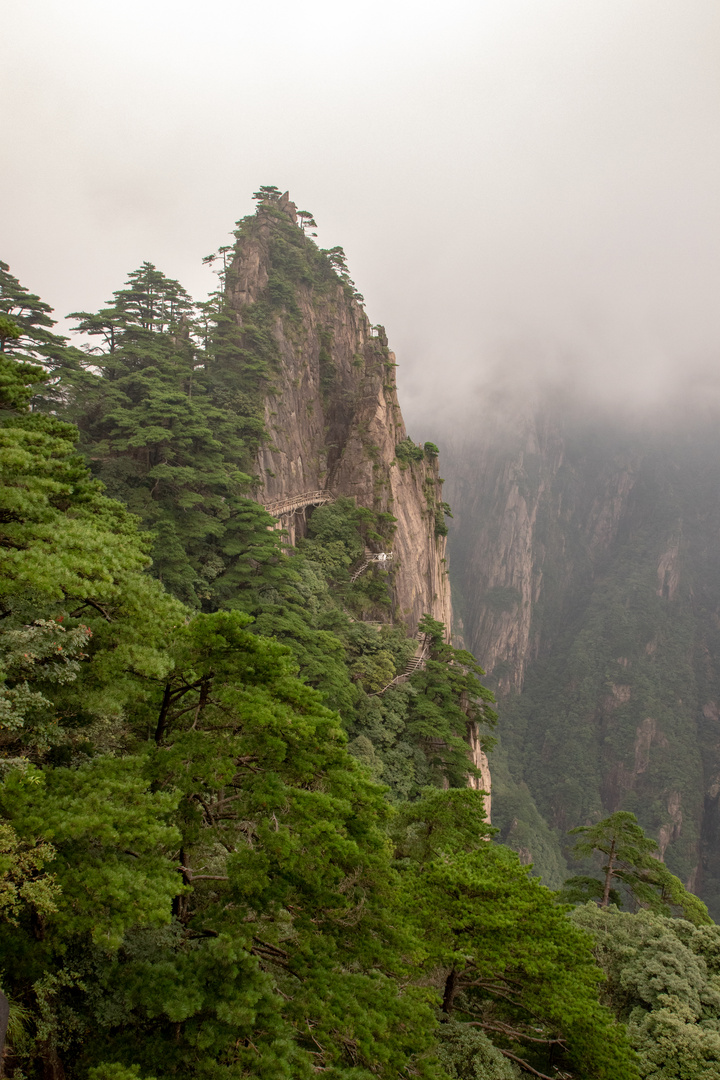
column 370, row 557
column 415, row 663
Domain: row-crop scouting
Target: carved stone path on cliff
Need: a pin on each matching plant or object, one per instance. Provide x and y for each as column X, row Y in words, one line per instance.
column 280, row 507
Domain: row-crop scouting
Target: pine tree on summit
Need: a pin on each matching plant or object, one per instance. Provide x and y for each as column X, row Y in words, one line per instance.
column 160, row 444
column 26, row 335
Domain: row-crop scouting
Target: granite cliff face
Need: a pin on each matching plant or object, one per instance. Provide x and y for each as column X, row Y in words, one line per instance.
column 495, row 532
column 330, row 404
column 586, row 569
column 536, row 511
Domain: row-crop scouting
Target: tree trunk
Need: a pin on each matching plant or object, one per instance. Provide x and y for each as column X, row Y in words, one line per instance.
column 608, row 876
column 451, row 988
column 52, row 1067
column 203, row 700
column 162, row 718
column 180, row 904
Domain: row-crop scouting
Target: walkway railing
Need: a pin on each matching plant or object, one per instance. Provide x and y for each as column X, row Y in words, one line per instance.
column 280, row 507
column 415, row 663
column 370, row 557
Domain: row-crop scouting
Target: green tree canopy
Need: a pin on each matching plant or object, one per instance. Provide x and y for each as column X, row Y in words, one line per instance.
column 199, row 874
column 160, row 443
column 26, row 335
column 632, row 860
column 663, row 982
column 513, row 965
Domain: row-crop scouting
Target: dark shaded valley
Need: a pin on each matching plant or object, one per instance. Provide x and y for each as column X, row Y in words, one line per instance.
column 585, row 560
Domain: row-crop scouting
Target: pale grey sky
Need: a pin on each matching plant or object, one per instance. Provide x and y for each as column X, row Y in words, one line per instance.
column 529, row 182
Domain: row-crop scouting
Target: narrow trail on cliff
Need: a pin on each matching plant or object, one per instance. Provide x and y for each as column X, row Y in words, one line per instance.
column 415, row 663
column 370, row 557
column 299, row 502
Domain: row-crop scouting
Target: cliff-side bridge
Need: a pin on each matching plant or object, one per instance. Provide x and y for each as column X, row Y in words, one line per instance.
column 296, row 503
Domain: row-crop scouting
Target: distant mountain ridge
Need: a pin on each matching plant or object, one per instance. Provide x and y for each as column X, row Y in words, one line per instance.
column 586, row 570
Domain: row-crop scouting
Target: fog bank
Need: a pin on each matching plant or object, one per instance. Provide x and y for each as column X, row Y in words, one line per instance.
column 525, row 189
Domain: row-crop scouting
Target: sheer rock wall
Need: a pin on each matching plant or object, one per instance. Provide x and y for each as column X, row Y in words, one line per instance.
column 334, row 420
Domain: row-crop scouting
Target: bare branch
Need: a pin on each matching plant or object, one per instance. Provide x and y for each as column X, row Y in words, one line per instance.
column 91, row 603
column 504, row 1029
column 524, row 1065
column 270, row 948
column 202, row 877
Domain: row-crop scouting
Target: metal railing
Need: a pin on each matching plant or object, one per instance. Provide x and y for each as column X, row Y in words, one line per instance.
column 280, row 507
column 370, row 557
column 415, row 663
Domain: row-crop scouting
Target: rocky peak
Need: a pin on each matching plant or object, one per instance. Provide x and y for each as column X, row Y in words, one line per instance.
column 332, row 417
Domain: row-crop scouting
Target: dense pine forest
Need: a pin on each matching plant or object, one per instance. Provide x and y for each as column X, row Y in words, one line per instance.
column 228, row 847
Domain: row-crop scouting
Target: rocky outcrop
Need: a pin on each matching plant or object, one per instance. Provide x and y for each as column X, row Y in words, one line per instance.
column 479, row 758
column 495, row 540
column 331, row 410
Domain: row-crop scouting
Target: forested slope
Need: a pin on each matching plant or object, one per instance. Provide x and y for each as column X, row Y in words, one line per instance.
column 224, row 850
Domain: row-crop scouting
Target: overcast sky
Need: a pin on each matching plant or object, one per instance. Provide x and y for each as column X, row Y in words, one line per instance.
column 529, row 183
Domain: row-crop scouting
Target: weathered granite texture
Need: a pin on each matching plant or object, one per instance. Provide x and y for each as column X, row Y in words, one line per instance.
column 334, row 419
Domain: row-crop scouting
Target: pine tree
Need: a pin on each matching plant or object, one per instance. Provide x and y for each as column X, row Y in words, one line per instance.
column 159, row 443
column 72, row 583
column 31, row 315
column 632, row 861
column 26, row 336
column 515, row 967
